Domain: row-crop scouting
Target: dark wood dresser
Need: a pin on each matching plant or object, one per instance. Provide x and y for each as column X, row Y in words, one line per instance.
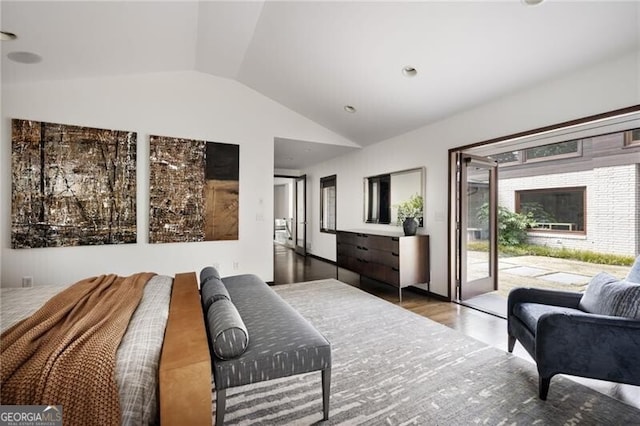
column 388, row 257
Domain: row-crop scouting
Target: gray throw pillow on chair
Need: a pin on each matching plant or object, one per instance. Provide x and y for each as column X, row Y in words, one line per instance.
column 606, row 295
column 634, row 273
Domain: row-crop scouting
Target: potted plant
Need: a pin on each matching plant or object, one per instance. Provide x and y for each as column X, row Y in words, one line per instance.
column 409, row 214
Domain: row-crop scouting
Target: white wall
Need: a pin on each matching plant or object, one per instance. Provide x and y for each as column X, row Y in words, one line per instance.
column 180, row 104
column 598, row 89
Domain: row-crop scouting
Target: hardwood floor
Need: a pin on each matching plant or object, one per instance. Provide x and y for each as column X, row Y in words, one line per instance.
column 290, row 267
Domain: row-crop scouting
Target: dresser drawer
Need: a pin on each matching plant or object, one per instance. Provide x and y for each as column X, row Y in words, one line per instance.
column 379, row 242
column 384, row 273
column 350, row 238
column 351, row 263
column 388, row 258
column 347, row 250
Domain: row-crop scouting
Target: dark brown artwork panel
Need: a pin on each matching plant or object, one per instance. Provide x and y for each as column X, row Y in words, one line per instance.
column 72, row 185
column 194, row 190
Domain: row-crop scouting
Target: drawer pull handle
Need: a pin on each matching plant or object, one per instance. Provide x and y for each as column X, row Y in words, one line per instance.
column 395, row 269
column 395, row 254
column 395, row 239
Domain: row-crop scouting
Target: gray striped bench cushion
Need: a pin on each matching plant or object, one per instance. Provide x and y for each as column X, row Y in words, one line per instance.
column 227, row 332
column 283, row 343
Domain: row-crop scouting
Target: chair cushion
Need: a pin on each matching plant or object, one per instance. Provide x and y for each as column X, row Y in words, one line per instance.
column 530, row 313
column 227, row 333
column 634, row 273
column 606, row 295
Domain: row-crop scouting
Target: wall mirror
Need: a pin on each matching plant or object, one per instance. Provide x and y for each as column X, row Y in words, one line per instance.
column 384, row 193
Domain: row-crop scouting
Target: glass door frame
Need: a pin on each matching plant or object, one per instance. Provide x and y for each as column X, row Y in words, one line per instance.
column 301, row 216
column 465, row 289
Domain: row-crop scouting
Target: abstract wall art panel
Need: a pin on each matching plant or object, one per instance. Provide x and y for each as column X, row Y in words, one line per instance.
column 71, row 185
column 194, row 190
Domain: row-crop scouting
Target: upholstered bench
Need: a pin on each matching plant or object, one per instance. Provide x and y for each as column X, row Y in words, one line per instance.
column 265, row 339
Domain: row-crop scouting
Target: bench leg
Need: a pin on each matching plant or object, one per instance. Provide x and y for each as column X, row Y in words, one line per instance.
column 221, row 402
column 511, row 343
column 326, row 392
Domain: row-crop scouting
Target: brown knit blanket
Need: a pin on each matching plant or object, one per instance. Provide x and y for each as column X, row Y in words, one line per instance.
column 64, row 354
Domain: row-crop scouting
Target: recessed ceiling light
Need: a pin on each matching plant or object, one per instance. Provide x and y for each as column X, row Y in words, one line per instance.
column 532, row 2
column 24, row 57
column 7, row 36
column 409, row 71
column 350, row 108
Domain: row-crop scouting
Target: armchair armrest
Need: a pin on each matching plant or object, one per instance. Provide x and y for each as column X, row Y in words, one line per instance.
column 546, row 297
column 589, row 345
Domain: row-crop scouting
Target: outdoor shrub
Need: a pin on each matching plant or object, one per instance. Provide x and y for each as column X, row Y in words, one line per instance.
column 512, row 227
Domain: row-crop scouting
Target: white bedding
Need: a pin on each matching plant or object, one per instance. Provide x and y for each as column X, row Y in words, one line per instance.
column 138, row 355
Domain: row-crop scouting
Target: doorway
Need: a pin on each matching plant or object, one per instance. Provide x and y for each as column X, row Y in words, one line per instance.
column 555, row 192
column 283, row 211
column 290, row 212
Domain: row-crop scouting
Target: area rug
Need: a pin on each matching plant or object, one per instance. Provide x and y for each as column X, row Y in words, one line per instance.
column 394, row 367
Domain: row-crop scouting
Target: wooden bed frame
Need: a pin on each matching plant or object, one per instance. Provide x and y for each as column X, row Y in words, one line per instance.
column 185, row 364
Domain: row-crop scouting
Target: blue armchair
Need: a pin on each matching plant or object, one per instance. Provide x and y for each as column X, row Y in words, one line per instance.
column 567, row 334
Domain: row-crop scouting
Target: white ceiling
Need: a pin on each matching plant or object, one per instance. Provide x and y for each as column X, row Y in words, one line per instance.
column 316, row 57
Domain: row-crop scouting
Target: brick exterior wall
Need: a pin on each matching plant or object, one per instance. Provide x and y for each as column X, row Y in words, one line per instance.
column 613, row 208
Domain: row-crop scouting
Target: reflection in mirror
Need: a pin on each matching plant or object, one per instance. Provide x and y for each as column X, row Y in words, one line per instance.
column 377, row 190
column 383, row 194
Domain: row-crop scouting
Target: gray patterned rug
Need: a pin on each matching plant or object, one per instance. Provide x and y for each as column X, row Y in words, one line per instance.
column 393, row 367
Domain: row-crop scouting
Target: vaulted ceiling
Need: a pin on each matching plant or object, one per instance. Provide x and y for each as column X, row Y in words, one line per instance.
column 317, row 57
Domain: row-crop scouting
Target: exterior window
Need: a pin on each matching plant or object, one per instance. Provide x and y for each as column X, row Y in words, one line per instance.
column 556, row 209
column 632, row 137
column 328, row 204
column 504, row 158
column 553, row 151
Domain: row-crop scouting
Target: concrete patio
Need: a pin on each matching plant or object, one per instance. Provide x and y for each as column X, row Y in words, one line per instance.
column 549, row 272
column 534, row 271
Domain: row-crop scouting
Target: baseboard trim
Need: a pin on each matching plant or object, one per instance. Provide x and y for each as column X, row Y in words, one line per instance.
column 428, row 293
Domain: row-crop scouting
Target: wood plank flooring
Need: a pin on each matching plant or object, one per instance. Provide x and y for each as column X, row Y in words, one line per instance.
column 290, row 267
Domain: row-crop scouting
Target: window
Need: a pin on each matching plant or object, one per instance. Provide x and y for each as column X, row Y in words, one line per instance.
column 553, row 151
column 547, row 152
column 509, row 157
column 555, row 209
column 632, row 137
column 328, row 204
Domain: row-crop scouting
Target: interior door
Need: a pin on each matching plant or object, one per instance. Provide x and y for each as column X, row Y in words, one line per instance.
column 477, row 226
column 301, row 215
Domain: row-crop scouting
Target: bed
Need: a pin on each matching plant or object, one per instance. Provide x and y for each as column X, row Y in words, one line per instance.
column 163, row 363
